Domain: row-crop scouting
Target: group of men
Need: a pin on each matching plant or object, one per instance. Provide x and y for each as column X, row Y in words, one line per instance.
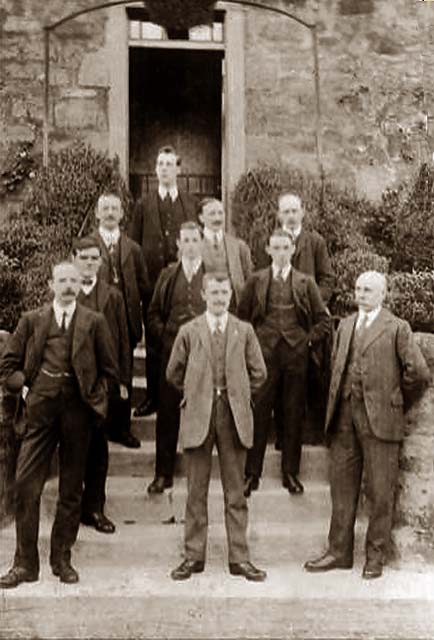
column 227, row 350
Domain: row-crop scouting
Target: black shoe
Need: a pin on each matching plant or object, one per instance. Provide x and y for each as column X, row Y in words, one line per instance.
column 126, row 440
column 159, row 483
column 186, row 569
column 372, row 570
column 66, row 572
column 248, row 570
column 327, row 562
column 251, row 483
column 278, row 445
column 98, row 521
column 292, row 483
column 16, row 576
column 145, row 408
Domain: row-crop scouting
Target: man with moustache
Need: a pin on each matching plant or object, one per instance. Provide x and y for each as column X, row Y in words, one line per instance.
column 216, row 363
column 124, row 267
column 289, row 317
column 155, row 227
column 222, row 251
column 62, row 353
column 177, row 299
column 96, row 294
column 376, row 365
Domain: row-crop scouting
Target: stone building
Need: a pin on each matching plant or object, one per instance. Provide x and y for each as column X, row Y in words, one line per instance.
column 231, row 95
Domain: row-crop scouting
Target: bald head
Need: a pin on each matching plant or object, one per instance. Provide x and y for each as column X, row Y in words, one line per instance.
column 370, row 290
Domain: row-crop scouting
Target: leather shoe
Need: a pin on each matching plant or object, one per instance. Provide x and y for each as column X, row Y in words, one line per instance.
column 126, row 440
column 327, row 562
column 99, row 521
column 186, row 569
column 292, row 483
column 251, row 483
column 145, row 408
column 16, row 576
column 159, row 483
column 372, row 570
column 248, row 570
column 66, row 572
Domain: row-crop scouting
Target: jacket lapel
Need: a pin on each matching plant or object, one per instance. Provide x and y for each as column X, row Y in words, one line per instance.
column 231, row 338
column 264, row 282
column 231, row 256
column 81, row 330
column 41, row 332
column 299, row 245
column 376, row 329
column 205, row 336
column 298, row 289
column 102, row 294
column 347, row 334
column 125, row 248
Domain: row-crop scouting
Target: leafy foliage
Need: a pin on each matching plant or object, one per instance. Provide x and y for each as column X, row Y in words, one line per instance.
column 412, row 298
column 19, row 166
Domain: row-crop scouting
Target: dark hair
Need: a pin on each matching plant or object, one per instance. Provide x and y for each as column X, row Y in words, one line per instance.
column 81, row 244
column 281, row 233
column 190, row 225
column 169, row 149
column 219, row 276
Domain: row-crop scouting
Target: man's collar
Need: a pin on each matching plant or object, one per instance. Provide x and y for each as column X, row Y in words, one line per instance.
column 213, row 320
column 59, row 310
column 87, row 288
column 283, row 272
column 370, row 315
column 210, row 235
column 191, row 265
column 293, row 232
column 109, row 236
column 173, row 192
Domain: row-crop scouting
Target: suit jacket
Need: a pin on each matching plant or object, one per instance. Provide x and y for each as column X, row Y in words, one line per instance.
column 311, row 257
column 110, row 302
column 161, row 303
column 146, row 229
column 135, row 279
column 239, row 264
column 190, row 371
column 93, row 360
column 391, row 365
column 309, row 307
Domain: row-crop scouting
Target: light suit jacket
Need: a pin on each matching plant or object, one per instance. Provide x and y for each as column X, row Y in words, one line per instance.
column 190, row 371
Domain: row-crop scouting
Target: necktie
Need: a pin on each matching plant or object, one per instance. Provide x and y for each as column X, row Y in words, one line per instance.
column 216, row 241
column 63, row 323
column 363, row 324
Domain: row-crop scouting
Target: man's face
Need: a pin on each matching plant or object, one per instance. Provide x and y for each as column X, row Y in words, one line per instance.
column 280, row 249
column 290, row 213
column 109, row 212
column 189, row 244
column 65, row 284
column 217, row 296
column 167, row 169
column 88, row 261
column 369, row 292
column 213, row 216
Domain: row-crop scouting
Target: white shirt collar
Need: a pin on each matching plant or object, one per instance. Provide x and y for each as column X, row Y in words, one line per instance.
column 370, row 316
column 285, row 272
column 213, row 320
column 210, row 235
column 59, row 311
column 173, row 192
column 191, row 266
column 109, row 237
column 293, row 232
column 87, row 288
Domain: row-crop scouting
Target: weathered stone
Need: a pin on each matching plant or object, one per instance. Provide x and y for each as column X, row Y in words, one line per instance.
column 78, row 93
column 93, row 70
column 17, row 24
column 80, row 113
column 20, row 133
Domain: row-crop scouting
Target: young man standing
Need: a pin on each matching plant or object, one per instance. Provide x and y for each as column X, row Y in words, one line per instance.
column 96, row 294
column 177, row 299
column 62, row 353
column 216, row 364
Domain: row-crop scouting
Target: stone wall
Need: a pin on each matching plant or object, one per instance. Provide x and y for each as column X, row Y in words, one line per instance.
column 413, row 533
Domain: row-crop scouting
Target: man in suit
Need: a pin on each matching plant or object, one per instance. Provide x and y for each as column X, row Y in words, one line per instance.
column 96, row 294
column 222, row 251
column 62, row 353
column 216, row 363
column 155, row 227
column 177, row 299
column 289, row 317
column 124, row 267
column 375, row 361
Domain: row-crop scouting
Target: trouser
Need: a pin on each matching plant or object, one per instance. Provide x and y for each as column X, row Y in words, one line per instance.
column 287, row 370
column 153, row 366
column 94, row 496
column 65, row 420
column 167, row 426
column 118, row 422
column 232, row 455
column 353, row 448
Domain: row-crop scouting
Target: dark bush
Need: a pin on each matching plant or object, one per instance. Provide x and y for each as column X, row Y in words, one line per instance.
column 411, row 297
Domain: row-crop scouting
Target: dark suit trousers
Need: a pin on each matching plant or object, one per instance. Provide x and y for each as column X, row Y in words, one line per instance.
column 167, row 427
column 96, row 472
column 118, row 421
column 153, row 366
column 65, row 420
column 287, row 371
column 354, row 448
column 232, row 456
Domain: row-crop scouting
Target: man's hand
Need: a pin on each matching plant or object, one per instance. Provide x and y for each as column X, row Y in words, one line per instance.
column 123, row 391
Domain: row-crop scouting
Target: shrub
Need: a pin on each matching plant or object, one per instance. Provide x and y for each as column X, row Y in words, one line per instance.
column 411, row 297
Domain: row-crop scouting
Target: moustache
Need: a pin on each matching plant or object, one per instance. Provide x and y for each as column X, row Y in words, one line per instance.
column 68, row 292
